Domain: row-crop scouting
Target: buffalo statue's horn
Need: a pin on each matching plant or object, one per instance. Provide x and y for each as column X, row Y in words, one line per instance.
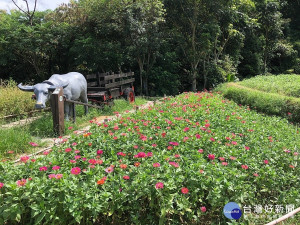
column 65, row 84
column 25, row 88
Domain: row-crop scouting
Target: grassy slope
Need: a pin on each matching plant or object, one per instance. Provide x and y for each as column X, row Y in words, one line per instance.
column 273, row 95
column 285, row 84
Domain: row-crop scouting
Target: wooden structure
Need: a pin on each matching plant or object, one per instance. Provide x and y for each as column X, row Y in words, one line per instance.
column 104, row 87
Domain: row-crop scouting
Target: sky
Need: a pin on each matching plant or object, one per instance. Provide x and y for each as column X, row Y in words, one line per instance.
column 41, row 4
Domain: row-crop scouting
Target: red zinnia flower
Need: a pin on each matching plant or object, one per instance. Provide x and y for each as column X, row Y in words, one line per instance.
column 123, row 166
column 203, row 209
column 126, row 177
column 184, row 190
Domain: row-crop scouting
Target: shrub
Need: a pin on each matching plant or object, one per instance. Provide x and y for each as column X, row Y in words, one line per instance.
column 13, row 100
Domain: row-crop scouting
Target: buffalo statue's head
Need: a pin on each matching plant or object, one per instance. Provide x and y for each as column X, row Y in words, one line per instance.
column 42, row 91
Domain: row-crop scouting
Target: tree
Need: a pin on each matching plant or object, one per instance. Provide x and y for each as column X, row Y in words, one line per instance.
column 143, row 19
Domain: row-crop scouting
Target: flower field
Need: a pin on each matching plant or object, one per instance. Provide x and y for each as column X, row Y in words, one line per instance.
column 178, row 162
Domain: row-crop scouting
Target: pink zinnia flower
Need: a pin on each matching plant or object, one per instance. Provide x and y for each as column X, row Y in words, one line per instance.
column 184, row 190
column 141, row 155
column 221, row 159
column 109, row 169
column 121, row 153
column 68, row 149
column 149, row 154
column 21, row 182
column 72, row 161
column 43, row 168
column 176, row 156
column 173, row 143
column 212, row 139
column 159, row 185
column 245, row 167
column 174, row 164
column 126, row 177
column 58, row 176
column 56, row 167
column 51, row 176
column 1, row 185
column 46, row 153
column 234, row 142
column 255, row 174
column 186, row 129
column 198, row 136
column 24, row 159
column 224, row 163
column 75, row 170
column 156, row 165
column 77, row 156
column 211, row 156
column 77, row 151
column 247, row 148
column 266, row 161
column 92, row 161
column 203, row 209
column 200, row 150
column 33, row 144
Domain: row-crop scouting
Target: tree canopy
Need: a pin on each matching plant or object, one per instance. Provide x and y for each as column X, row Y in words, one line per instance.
column 171, row 45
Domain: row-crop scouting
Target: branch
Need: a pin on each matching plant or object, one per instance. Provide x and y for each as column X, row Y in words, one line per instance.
column 19, row 7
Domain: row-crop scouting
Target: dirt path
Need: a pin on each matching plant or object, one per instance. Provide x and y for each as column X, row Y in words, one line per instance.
column 51, row 142
column 20, row 122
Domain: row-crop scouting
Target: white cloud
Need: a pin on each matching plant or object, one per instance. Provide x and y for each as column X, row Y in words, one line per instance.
column 41, row 4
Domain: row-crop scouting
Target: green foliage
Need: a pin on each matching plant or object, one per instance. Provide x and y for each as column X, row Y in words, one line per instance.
column 179, row 134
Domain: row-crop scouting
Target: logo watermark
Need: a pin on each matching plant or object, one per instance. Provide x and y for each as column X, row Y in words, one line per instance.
column 232, row 211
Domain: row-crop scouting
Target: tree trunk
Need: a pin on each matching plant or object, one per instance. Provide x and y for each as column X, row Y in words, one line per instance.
column 141, row 67
column 194, row 79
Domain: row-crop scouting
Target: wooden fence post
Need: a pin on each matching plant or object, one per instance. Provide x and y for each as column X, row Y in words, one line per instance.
column 57, row 107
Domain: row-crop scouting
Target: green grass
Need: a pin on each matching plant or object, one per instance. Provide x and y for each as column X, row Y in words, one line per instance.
column 17, row 138
column 284, row 84
column 273, row 95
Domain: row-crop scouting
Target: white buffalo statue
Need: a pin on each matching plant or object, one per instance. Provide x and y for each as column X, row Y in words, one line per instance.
column 74, row 84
